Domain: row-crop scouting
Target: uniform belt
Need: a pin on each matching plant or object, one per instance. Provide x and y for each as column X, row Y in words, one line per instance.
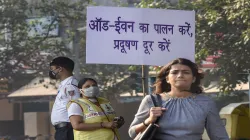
column 63, row 124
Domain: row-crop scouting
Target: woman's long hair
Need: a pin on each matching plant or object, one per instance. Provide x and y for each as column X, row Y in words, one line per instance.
column 161, row 84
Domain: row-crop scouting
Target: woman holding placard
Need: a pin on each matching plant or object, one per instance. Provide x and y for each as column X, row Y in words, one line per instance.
column 183, row 112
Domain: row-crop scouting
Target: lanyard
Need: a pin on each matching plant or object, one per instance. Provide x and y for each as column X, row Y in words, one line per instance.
column 98, row 104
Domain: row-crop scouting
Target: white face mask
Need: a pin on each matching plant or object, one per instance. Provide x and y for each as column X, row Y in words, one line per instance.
column 91, row 92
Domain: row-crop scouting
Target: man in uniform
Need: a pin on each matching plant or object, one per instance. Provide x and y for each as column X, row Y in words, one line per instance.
column 62, row 68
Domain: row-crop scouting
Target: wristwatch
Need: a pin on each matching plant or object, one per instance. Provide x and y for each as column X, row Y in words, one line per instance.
column 144, row 123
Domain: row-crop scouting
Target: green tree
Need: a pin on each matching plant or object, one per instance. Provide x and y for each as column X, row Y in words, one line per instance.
column 220, row 26
column 22, row 54
column 225, row 26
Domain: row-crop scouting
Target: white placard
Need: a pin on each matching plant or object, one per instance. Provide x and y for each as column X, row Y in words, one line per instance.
column 139, row 36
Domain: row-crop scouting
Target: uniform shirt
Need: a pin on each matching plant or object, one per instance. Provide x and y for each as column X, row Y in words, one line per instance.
column 67, row 91
column 75, row 109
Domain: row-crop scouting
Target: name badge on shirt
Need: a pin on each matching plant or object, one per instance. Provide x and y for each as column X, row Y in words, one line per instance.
column 108, row 108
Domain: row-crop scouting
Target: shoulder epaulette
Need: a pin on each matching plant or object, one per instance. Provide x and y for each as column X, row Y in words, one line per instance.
column 74, row 82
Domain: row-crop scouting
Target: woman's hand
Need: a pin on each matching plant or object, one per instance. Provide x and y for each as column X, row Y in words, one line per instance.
column 110, row 125
column 155, row 112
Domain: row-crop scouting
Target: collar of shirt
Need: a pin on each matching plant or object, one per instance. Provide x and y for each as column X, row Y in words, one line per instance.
column 66, row 80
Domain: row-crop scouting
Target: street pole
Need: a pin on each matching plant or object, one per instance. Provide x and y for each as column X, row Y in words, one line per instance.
column 76, row 45
column 249, row 91
column 76, row 49
column 145, row 70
